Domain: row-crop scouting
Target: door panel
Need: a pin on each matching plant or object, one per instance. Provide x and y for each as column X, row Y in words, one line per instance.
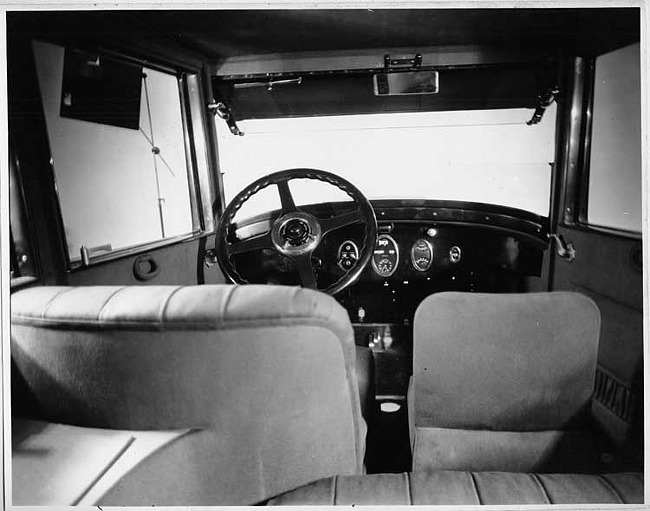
column 604, row 265
column 600, row 205
column 178, row 264
column 607, row 269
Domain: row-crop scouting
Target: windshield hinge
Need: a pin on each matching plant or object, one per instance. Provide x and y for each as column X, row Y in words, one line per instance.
column 224, row 112
column 543, row 102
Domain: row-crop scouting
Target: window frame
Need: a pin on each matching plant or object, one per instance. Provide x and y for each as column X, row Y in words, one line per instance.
column 576, row 200
column 15, row 271
column 197, row 157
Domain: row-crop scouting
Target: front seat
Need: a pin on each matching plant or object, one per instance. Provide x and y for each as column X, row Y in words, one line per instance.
column 263, row 377
column 504, row 382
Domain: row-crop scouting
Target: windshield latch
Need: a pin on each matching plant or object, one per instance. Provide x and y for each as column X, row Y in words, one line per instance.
column 543, row 102
column 224, row 112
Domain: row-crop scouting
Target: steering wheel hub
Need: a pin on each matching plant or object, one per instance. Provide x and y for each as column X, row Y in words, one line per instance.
column 296, row 232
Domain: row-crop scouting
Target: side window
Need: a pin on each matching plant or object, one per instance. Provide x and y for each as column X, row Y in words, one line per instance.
column 615, row 159
column 118, row 150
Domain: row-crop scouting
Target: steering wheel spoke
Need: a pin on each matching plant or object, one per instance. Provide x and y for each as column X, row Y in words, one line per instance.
column 305, row 270
column 338, row 221
column 288, row 204
column 256, row 243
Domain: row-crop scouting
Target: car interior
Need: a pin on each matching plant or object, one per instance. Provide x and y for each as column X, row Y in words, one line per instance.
column 325, row 256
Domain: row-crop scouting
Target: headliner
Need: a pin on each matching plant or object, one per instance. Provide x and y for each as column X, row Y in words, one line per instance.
column 218, row 34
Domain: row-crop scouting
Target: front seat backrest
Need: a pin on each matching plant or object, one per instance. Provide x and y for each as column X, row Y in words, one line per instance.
column 265, row 374
column 503, row 381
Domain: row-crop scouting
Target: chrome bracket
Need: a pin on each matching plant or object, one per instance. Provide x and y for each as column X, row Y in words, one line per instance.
column 392, row 64
column 223, row 111
column 543, row 102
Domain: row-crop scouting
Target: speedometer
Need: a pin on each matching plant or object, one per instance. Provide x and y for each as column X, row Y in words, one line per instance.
column 386, row 256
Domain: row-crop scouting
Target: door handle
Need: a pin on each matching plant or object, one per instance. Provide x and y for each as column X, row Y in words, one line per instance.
column 564, row 250
column 145, row 267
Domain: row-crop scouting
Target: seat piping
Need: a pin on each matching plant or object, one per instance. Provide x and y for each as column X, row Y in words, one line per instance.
column 545, row 493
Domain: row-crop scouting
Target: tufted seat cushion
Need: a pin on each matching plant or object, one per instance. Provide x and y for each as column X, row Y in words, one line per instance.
column 265, row 375
column 468, row 488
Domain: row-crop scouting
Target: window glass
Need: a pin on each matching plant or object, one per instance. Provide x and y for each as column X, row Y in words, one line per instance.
column 488, row 156
column 615, row 160
column 118, row 186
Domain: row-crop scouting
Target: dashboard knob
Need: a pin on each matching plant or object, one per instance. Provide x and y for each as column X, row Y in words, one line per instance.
column 455, row 254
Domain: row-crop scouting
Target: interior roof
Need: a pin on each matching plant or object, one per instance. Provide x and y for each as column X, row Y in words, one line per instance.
column 217, row 34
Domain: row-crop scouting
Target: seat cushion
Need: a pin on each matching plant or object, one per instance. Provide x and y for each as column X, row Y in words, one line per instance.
column 514, row 451
column 468, row 488
column 69, row 465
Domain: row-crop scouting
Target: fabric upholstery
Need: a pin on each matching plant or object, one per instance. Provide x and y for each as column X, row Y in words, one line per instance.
column 468, row 488
column 500, row 379
column 71, row 465
column 516, row 451
column 266, row 372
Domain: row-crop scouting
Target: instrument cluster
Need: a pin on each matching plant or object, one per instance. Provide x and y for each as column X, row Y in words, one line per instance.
column 418, row 255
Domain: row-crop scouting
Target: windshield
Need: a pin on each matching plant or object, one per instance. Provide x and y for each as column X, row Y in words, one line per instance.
column 488, row 156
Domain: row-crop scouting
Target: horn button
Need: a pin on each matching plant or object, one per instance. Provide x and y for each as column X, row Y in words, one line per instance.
column 296, row 233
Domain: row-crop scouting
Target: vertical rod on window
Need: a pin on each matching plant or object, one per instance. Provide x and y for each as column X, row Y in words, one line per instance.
column 154, row 151
column 13, row 257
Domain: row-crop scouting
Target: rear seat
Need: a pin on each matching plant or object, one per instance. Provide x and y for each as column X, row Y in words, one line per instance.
column 467, row 488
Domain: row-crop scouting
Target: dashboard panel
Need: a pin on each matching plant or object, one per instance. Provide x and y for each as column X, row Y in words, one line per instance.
column 423, row 247
column 427, row 248
column 410, row 250
column 447, row 258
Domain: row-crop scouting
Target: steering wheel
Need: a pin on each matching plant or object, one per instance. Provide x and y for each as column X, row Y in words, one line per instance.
column 295, row 233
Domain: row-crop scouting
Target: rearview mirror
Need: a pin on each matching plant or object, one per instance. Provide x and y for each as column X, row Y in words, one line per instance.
column 408, row 82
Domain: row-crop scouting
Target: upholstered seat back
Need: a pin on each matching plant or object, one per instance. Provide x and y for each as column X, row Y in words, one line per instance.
column 264, row 374
column 503, row 382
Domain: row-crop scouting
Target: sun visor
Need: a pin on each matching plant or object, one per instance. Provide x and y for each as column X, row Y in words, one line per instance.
column 355, row 92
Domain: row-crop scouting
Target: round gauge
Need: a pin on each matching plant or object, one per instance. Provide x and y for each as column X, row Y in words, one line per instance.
column 386, row 256
column 347, row 256
column 421, row 255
